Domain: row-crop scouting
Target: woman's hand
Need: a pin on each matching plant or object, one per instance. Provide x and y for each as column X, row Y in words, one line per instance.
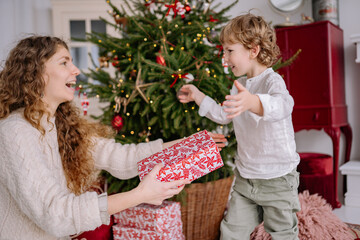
column 219, row 139
column 154, row 192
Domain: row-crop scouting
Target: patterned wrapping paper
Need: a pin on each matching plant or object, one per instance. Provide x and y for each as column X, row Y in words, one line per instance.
column 151, row 217
column 125, row 233
column 190, row 159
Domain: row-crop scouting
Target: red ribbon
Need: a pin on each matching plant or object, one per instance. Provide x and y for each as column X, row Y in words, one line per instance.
column 213, row 19
column 173, row 7
column 220, row 47
column 177, row 77
column 147, row 4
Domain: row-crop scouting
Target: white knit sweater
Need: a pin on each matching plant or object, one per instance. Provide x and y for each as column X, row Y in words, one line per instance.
column 35, row 202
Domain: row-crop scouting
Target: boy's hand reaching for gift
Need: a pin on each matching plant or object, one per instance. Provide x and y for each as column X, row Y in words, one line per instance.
column 219, row 139
column 242, row 102
column 189, row 93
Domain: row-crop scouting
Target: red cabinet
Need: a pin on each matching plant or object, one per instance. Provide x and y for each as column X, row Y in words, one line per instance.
column 316, row 82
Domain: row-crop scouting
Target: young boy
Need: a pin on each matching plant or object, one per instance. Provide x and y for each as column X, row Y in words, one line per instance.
column 260, row 107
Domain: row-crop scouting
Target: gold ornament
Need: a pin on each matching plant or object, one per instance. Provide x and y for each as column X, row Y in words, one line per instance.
column 104, row 62
column 138, row 88
column 118, row 102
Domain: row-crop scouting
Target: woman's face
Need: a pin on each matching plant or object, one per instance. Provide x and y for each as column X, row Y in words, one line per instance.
column 60, row 79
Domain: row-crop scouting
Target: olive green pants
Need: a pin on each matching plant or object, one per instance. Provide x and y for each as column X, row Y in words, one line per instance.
column 274, row 201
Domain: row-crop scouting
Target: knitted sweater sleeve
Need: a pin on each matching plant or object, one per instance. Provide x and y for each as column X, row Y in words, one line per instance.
column 37, row 186
column 120, row 160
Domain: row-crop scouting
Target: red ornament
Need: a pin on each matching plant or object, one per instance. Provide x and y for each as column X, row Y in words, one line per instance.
column 187, row 8
column 115, row 63
column 160, row 59
column 117, row 122
column 85, row 103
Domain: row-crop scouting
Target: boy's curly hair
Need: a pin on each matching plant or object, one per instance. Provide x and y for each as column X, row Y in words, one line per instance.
column 22, row 85
column 250, row 30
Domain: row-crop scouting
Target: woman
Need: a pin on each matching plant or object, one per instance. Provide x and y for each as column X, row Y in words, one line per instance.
column 50, row 156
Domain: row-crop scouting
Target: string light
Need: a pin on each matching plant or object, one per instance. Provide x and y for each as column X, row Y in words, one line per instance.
column 145, row 39
column 132, row 132
column 127, row 114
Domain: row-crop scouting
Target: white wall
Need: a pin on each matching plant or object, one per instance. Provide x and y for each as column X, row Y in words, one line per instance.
column 18, row 17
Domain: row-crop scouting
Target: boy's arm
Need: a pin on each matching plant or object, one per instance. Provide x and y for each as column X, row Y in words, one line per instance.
column 208, row 107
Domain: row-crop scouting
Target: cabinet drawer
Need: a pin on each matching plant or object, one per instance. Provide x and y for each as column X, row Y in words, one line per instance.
column 311, row 117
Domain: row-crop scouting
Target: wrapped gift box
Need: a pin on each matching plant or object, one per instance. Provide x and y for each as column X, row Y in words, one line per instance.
column 151, row 217
column 126, row 233
column 190, row 159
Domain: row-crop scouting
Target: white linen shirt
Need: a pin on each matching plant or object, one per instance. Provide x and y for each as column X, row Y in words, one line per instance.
column 265, row 144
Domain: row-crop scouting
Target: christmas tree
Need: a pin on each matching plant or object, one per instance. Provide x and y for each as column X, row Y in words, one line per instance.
column 162, row 46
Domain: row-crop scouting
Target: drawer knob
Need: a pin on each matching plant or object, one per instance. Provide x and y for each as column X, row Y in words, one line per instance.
column 316, row 116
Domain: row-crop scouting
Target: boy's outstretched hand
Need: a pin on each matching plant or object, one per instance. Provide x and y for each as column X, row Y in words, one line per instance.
column 219, row 139
column 189, row 93
column 241, row 102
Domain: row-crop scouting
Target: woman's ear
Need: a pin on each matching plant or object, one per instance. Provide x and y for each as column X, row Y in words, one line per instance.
column 254, row 51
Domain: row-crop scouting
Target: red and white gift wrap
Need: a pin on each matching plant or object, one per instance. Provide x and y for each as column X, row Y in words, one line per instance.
column 151, row 217
column 126, row 233
column 190, row 159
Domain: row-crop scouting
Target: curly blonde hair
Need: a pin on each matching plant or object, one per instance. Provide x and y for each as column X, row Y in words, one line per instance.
column 22, row 85
column 250, row 30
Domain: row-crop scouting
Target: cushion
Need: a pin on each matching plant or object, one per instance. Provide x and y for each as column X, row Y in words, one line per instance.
column 315, row 164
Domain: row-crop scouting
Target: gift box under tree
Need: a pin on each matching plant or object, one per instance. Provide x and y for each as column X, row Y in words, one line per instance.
column 147, row 221
column 192, row 158
column 126, row 233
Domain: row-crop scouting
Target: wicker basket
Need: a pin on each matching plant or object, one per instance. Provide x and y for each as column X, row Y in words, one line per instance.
column 204, row 208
